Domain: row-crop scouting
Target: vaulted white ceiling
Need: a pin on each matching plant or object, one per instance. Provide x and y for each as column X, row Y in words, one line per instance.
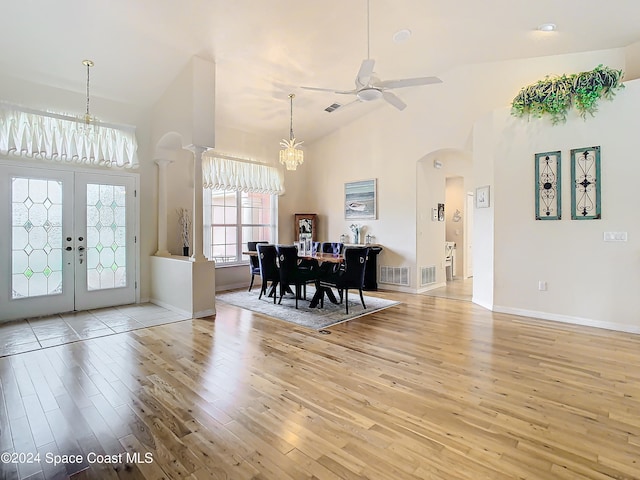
column 265, row 50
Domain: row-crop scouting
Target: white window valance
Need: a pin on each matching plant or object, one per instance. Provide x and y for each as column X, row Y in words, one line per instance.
column 228, row 174
column 61, row 138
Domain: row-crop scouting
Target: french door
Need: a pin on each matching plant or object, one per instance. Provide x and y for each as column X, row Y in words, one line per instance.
column 67, row 241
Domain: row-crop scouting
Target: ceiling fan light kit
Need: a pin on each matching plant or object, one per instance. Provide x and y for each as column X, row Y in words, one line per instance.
column 368, row 94
column 370, row 88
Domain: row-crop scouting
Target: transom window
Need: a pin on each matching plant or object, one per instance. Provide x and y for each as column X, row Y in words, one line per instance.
column 233, row 218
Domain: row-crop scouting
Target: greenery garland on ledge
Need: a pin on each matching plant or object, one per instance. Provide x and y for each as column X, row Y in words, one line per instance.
column 556, row 95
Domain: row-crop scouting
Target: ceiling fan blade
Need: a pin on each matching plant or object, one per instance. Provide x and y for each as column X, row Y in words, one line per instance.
column 341, row 92
column 407, row 82
column 394, row 100
column 364, row 74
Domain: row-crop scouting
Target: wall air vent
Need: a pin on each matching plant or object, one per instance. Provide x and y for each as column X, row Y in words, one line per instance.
column 394, row 275
column 427, row 275
column 332, row 107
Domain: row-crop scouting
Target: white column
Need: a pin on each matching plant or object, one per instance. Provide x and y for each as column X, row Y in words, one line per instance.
column 198, row 217
column 162, row 208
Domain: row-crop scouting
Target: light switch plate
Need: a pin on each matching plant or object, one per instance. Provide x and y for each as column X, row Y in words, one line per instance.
column 615, row 236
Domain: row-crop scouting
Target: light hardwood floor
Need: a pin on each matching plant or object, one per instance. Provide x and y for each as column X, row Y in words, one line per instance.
column 429, row 389
column 456, row 289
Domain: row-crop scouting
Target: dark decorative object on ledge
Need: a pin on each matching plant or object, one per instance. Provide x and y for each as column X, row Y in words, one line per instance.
column 554, row 96
column 548, row 201
column 184, row 233
column 585, row 184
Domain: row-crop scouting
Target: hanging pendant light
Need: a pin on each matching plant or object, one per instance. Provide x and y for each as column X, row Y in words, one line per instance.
column 88, row 119
column 290, row 155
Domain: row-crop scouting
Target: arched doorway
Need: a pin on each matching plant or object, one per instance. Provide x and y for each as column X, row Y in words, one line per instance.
column 444, row 178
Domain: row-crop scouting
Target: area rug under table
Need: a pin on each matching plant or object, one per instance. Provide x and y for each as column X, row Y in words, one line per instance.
column 316, row 318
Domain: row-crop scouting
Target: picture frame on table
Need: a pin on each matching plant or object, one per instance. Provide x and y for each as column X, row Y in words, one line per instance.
column 305, row 227
column 483, row 197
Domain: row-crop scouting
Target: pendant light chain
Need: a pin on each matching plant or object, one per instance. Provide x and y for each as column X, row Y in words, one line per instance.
column 88, row 64
column 291, row 137
column 88, row 90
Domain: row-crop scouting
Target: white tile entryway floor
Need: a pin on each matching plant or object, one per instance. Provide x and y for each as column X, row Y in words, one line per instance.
column 30, row 334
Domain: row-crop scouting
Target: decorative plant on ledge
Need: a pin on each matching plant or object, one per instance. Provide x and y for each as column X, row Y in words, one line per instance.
column 554, row 96
column 184, row 222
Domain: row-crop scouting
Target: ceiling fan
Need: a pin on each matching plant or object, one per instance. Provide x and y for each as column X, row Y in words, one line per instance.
column 369, row 87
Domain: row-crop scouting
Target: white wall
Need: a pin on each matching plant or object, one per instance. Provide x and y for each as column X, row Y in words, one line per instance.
column 483, row 218
column 589, row 281
column 387, row 144
column 632, row 62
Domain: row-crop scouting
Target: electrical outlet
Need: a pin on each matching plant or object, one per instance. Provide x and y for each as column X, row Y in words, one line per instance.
column 542, row 286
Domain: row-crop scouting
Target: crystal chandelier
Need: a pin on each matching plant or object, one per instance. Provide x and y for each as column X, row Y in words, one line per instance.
column 290, row 155
column 87, row 116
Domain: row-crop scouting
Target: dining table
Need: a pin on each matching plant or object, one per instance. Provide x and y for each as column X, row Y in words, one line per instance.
column 321, row 291
column 320, row 257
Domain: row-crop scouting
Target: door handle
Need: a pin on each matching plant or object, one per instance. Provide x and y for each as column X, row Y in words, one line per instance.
column 81, row 249
column 68, row 249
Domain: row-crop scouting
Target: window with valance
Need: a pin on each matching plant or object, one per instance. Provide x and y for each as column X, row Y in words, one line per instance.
column 43, row 135
column 240, row 206
column 226, row 173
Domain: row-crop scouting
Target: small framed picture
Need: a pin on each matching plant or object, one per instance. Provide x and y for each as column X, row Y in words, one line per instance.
column 305, row 226
column 482, row 197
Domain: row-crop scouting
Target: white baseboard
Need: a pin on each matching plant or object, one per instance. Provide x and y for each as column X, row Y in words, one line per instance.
column 431, row 287
column 488, row 306
column 170, row 307
column 205, row 313
column 587, row 322
column 235, row 286
column 396, row 288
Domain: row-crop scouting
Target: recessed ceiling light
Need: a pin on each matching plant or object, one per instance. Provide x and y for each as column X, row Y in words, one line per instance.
column 547, row 27
column 402, row 35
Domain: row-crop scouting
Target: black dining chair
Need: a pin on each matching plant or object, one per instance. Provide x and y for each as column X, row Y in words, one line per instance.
column 292, row 273
column 254, row 264
column 269, row 272
column 334, row 248
column 351, row 276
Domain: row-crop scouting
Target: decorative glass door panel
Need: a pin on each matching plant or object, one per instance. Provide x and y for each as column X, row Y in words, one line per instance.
column 106, row 236
column 105, row 264
column 36, row 266
column 36, row 237
column 70, row 241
